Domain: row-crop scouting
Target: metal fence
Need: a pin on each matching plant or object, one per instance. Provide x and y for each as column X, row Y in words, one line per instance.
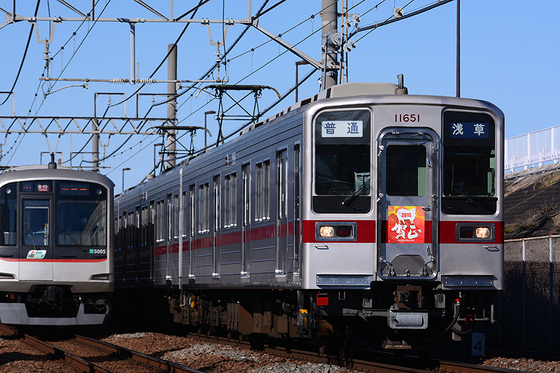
column 532, row 149
column 529, row 307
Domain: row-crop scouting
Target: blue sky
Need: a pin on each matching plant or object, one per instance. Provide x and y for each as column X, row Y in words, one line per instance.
column 510, row 54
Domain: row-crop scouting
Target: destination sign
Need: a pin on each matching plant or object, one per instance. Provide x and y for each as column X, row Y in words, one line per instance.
column 469, row 130
column 342, row 128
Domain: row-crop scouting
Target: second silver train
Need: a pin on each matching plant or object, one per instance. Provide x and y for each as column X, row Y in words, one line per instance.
column 358, row 209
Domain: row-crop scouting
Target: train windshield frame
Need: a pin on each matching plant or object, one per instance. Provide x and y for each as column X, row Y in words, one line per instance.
column 80, row 210
column 342, row 162
column 469, row 164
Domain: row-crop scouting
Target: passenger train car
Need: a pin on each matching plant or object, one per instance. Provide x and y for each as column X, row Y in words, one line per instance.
column 358, row 209
column 56, row 257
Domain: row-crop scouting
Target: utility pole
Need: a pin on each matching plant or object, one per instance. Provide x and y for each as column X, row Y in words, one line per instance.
column 172, row 106
column 330, row 38
column 458, row 68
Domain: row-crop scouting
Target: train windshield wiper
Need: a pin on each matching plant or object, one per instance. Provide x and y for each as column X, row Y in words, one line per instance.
column 361, row 190
column 461, row 189
column 73, row 239
column 31, row 234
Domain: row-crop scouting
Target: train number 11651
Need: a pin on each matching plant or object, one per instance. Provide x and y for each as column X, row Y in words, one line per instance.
column 407, row 118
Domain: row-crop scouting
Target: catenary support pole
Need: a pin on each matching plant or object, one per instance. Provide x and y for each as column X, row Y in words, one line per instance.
column 172, row 106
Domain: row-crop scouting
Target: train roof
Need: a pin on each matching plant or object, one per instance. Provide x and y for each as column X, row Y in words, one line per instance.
column 38, row 172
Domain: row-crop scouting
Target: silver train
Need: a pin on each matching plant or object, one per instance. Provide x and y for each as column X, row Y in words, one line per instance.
column 56, row 257
column 359, row 210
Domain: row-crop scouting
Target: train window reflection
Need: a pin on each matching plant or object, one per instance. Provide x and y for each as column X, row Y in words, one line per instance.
column 81, row 217
column 8, row 216
column 36, row 222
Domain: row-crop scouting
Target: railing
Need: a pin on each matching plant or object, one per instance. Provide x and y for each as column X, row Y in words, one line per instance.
column 532, row 149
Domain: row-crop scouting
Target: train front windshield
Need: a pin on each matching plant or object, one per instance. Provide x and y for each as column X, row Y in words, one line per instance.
column 76, row 210
column 342, row 162
column 469, row 164
column 81, row 214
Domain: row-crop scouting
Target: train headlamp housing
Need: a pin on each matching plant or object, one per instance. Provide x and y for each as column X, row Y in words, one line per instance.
column 475, row 232
column 335, row 231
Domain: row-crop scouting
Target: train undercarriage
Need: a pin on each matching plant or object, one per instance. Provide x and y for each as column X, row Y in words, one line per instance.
column 398, row 317
column 53, row 302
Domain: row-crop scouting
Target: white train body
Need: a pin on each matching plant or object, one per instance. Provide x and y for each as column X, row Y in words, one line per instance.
column 359, row 204
column 56, row 261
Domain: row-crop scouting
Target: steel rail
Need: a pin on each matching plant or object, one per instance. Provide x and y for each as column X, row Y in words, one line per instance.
column 75, row 361
column 8, row 330
column 451, row 366
column 143, row 358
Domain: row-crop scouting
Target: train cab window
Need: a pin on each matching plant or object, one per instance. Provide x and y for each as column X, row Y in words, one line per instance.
column 81, row 214
column 406, row 170
column 8, row 217
column 342, row 157
column 36, row 222
column 469, row 164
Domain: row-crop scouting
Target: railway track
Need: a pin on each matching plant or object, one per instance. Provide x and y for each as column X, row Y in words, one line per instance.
column 406, row 365
column 90, row 355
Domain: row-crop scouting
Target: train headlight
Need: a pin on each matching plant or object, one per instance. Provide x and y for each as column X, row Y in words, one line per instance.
column 335, row 231
column 326, row 231
column 475, row 232
column 482, row 232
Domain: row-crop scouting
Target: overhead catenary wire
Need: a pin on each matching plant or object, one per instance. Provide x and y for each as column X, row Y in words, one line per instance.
column 23, row 58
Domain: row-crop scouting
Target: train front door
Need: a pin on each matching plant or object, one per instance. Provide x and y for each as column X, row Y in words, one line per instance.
column 407, row 203
column 36, row 249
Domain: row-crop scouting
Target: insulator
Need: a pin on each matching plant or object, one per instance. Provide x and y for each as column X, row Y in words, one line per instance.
column 146, row 81
column 119, row 80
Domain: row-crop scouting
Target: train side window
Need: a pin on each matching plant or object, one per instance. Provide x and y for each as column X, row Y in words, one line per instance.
column 159, row 221
column 227, row 202
column 281, row 183
column 145, row 225
column 175, row 217
column 8, row 217
column 216, row 203
column 185, row 220
column 266, row 194
column 259, row 192
column 203, row 208
column 192, row 218
column 262, row 212
column 131, row 226
column 230, row 201
column 170, row 218
column 246, row 175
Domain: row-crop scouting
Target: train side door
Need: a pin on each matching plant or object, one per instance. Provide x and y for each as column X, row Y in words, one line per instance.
column 407, row 210
column 37, row 252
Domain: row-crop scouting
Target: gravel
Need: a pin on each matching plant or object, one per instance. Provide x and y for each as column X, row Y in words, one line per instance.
column 17, row 356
